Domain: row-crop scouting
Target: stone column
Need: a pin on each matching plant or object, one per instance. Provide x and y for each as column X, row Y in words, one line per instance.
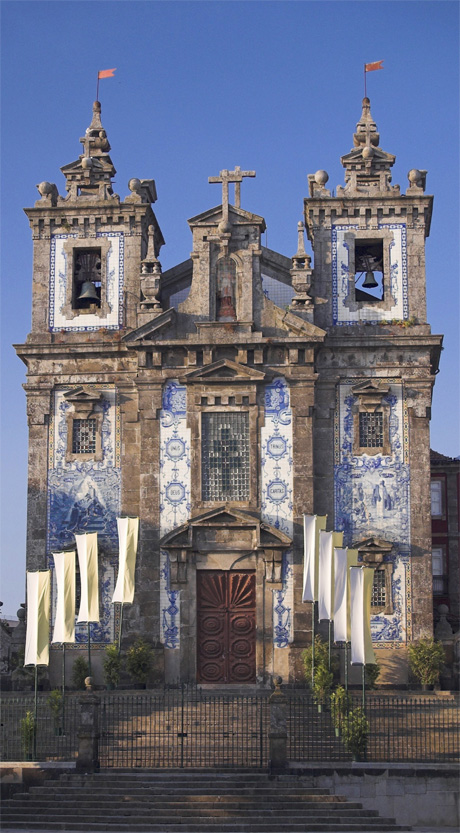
column 278, row 728
column 88, row 733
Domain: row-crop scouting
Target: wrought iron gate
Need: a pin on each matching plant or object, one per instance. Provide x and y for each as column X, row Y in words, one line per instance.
column 184, row 727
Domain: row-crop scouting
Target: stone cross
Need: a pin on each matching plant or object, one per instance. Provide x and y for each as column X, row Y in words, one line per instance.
column 225, row 177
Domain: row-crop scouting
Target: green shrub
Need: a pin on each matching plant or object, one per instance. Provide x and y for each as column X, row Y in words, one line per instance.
column 372, row 674
column 54, row 702
column 354, row 730
column 27, row 729
column 322, row 684
column 340, row 705
column 321, row 659
column 139, row 660
column 112, row 665
column 426, row 658
column 80, row 671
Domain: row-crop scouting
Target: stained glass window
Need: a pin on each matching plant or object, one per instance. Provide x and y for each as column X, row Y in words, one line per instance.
column 225, row 456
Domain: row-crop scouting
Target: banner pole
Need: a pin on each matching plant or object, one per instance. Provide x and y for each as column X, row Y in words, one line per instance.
column 121, row 628
column 89, row 649
column 346, row 667
column 364, row 687
column 312, row 644
column 329, row 646
column 63, row 688
column 35, row 712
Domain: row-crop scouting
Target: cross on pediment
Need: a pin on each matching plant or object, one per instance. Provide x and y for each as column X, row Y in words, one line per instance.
column 225, row 177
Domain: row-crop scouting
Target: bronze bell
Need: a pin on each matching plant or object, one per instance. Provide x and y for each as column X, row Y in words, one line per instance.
column 369, row 281
column 88, row 292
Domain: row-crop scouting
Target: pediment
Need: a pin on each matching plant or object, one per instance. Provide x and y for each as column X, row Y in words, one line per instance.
column 291, row 323
column 226, row 530
column 82, row 394
column 151, row 328
column 373, row 545
column 378, row 155
column 223, row 370
column 237, row 216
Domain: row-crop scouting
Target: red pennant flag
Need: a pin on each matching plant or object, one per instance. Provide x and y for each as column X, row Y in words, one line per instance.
column 375, row 65
column 108, row 73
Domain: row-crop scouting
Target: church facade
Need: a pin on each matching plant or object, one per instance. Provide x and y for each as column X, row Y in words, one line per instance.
column 223, row 399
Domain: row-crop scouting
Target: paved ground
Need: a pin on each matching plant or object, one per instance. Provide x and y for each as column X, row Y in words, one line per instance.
column 414, row 830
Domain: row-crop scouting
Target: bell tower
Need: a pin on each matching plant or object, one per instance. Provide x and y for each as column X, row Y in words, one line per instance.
column 376, row 373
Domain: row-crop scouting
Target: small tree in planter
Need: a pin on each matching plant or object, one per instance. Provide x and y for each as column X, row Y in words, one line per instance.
column 54, row 702
column 355, row 729
column 27, row 729
column 112, row 666
column 426, row 658
column 372, row 673
column 139, row 661
column 340, row 705
column 322, row 685
column 80, row 671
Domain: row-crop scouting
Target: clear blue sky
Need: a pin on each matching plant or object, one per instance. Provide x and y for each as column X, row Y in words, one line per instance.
column 201, row 86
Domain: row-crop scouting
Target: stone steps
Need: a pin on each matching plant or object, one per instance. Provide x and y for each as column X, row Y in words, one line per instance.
column 186, row 802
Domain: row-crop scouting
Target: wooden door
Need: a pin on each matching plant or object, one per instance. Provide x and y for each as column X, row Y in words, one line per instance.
column 226, row 626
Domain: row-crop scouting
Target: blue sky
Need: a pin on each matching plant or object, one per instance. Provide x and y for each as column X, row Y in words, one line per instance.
column 201, row 86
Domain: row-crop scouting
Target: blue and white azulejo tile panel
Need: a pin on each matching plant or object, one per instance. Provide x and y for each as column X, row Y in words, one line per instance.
column 277, row 490
column 174, row 496
column 61, row 274
column 372, row 498
column 341, row 279
column 84, row 496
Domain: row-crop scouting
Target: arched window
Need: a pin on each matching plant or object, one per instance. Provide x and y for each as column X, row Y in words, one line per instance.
column 225, row 290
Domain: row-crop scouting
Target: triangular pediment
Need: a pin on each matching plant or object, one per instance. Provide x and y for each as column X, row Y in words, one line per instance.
column 291, row 323
column 151, row 328
column 373, row 544
column 225, row 529
column 238, row 216
column 377, row 155
column 223, row 370
column 370, row 388
column 82, row 394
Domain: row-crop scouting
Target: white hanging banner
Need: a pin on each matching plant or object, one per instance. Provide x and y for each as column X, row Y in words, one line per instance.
column 128, row 533
column 327, row 542
column 361, row 579
column 64, row 623
column 312, row 524
column 343, row 559
column 89, row 577
column 38, row 618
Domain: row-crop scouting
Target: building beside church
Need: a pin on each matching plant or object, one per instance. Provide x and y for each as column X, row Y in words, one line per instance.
column 222, row 399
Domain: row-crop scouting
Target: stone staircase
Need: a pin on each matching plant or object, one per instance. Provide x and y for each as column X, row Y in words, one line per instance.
column 186, row 801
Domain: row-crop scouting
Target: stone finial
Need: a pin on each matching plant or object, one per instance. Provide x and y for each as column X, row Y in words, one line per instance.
column 90, row 176
column 151, row 276
column 367, row 166
column 301, row 274
column 417, row 181
column 366, row 129
column 443, row 629
column 316, row 184
column 48, row 193
column 142, row 191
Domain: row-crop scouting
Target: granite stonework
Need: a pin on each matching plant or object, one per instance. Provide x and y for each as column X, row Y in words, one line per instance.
column 298, row 352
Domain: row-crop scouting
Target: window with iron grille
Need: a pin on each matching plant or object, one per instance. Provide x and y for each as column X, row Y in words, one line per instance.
column 225, row 456
column 84, row 436
column 379, row 596
column 370, row 430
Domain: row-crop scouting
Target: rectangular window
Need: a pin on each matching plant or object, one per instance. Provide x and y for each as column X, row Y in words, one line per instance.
column 370, row 430
column 436, row 499
column 225, row 456
column 437, row 566
column 379, row 596
column 84, row 436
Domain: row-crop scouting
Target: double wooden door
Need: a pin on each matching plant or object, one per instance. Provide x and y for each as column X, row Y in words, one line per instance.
column 226, row 626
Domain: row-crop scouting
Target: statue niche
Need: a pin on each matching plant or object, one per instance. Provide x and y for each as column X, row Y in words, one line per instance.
column 226, row 289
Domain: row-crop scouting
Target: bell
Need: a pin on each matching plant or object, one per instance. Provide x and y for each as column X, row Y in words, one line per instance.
column 369, row 281
column 88, row 292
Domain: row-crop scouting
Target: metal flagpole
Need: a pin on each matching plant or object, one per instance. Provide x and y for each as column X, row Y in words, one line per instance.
column 312, row 644
column 35, row 712
column 121, row 627
column 63, row 688
column 89, row 649
column 365, row 83
column 364, row 687
column 346, row 667
column 329, row 646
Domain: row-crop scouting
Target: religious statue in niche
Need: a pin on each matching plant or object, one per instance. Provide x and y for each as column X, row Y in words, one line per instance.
column 225, row 286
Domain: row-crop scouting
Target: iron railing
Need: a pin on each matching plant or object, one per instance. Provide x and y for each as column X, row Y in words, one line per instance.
column 54, row 739
column 184, row 728
column 400, row 729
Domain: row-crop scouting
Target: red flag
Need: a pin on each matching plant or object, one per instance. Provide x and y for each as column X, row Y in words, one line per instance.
column 375, row 65
column 108, row 73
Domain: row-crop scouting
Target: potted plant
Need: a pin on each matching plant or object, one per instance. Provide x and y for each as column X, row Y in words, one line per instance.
column 426, row 659
column 139, row 661
column 80, row 671
column 355, row 729
column 372, row 672
column 27, row 729
column 322, row 685
column 112, row 666
column 340, row 705
column 54, row 702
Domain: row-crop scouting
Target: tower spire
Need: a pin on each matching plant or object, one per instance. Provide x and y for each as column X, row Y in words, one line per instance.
column 91, row 174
